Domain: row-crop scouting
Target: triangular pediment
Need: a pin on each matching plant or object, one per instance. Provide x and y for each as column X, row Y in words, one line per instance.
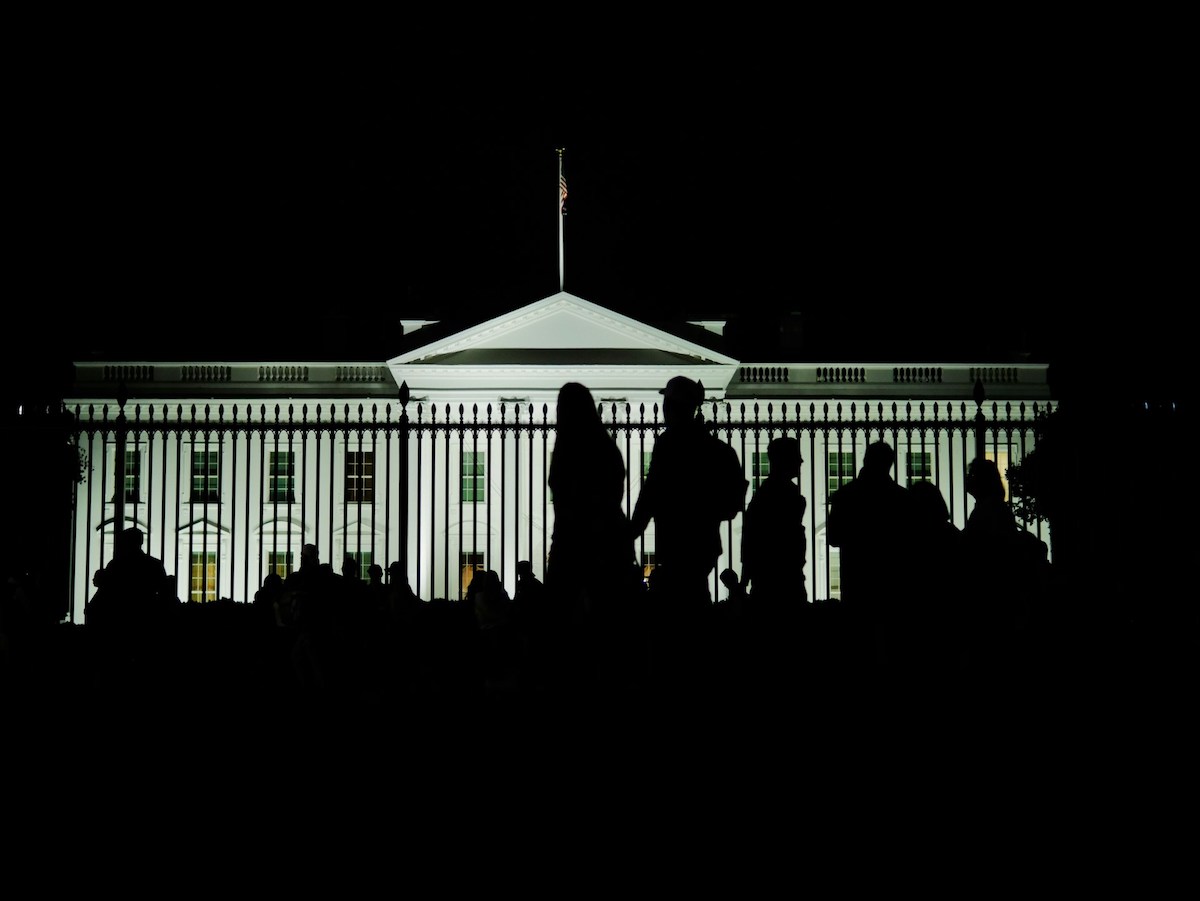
column 557, row 328
column 530, row 352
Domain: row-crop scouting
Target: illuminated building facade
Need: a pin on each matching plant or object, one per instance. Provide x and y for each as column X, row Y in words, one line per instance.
column 437, row 456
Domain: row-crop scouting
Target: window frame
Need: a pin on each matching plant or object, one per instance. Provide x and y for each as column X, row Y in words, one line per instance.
column 274, row 479
column 211, row 494
column 760, row 468
column 473, row 477
column 842, row 476
column 359, row 477
column 197, row 580
column 273, row 562
column 924, row 457
column 133, row 476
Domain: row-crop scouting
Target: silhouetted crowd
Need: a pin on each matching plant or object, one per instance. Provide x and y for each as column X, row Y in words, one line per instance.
column 933, row 621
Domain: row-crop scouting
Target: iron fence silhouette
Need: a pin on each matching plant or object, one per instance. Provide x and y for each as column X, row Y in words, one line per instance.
column 226, row 493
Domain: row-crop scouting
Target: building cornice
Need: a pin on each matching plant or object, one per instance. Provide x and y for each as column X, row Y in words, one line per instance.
column 220, row 380
column 900, row 381
column 267, row 382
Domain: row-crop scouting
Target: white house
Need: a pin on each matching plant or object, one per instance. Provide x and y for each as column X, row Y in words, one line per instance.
column 437, row 456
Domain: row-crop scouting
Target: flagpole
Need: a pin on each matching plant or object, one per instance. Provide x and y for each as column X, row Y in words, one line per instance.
column 562, row 199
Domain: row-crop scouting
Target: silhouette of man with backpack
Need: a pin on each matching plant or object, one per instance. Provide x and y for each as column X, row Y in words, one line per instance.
column 695, row 483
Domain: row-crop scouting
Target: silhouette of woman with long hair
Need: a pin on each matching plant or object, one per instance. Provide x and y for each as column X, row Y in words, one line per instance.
column 590, row 565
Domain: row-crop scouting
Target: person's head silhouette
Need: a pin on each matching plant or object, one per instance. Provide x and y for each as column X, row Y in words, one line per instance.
column 784, row 456
column 309, row 557
column 681, row 399
column 878, row 459
column 983, row 480
column 576, row 408
column 129, row 542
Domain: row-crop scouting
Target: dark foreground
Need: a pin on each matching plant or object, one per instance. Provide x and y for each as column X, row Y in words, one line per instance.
column 759, row 747
column 218, row 681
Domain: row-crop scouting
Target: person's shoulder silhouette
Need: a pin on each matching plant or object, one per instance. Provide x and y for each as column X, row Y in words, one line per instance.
column 587, row 471
column 870, row 504
column 692, row 472
column 992, row 518
column 134, row 569
column 871, row 523
column 929, row 509
column 133, row 584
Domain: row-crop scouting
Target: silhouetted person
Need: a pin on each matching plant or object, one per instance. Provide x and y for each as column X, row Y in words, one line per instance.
column 314, row 591
column 353, row 586
column 376, row 594
column 353, row 630
column 591, row 531
column 933, row 630
column 695, row 484
column 774, row 548
column 132, row 591
column 529, row 600
column 591, row 547
column 492, row 603
column 402, row 600
column 133, row 615
column 991, row 517
column 267, row 600
column 403, row 624
column 870, row 521
column 530, row 591
column 377, row 619
column 774, row 540
column 499, row 643
column 353, row 611
column 306, row 573
column 1006, row 574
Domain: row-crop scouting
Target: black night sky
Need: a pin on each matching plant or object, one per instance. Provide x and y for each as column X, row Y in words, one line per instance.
column 958, row 199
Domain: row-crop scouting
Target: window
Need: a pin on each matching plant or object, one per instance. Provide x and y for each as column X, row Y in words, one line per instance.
column 760, row 468
column 1001, row 458
column 474, row 481
column 471, row 562
column 841, row 469
column 919, row 466
column 133, row 476
column 360, row 477
column 280, row 563
column 205, row 485
column 835, row 573
column 282, row 485
column 204, row 577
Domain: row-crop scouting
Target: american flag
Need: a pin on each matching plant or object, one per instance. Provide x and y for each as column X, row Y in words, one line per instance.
column 562, row 192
